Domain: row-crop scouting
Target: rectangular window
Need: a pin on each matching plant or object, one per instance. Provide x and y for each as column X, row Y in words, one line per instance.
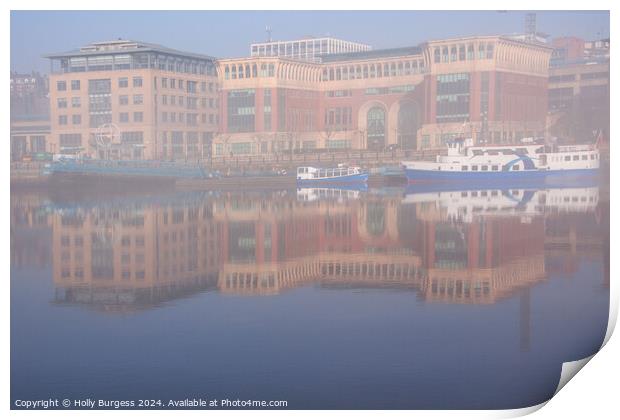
column 62, row 120
column 494, row 168
column 137, row 81
column 453, row 97
column 61, row 85
column 61, row 102
column 76, row 119
column 138, row 99
column 99, row 86
column 70, row 140
column 137, row 117
column 474, row 167
column 173, row 83
column 567, row 158
column 76, row 102
column 123, row 117
column 123, row 82
column 164, row 99
column 164, row 82
column 75, row 85
column 241, row 110
column 123, row 100
column 484, row 168
column 464, row 168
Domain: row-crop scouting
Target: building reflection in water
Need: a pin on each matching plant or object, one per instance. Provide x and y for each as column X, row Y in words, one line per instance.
column 473, row 247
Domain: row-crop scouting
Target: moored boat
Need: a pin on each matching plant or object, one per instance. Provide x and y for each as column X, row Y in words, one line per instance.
column 308, row 175
column 525, row 162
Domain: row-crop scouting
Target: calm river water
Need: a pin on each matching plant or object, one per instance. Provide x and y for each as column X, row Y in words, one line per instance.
column 378, row 299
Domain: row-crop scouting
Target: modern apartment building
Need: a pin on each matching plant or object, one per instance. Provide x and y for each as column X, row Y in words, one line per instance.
column 133, row 100
column 492, row 88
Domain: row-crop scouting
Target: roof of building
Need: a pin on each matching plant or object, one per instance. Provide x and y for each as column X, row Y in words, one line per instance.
column 368, row 55
column 307, row 38
column 124, row 47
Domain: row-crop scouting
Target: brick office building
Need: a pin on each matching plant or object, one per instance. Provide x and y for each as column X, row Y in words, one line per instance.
column 133, row 100
column 492, row 88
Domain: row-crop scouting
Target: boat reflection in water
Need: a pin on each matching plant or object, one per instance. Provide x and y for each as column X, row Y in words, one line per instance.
column 368, row 289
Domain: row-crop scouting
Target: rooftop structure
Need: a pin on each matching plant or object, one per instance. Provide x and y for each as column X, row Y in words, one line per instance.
column 309, row 49
column 127, row 54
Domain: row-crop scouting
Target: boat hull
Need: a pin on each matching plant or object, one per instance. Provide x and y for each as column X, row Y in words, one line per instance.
column 337, row 180
column 525, row 178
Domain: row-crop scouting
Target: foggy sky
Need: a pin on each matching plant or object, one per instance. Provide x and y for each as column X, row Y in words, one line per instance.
column 229, row 33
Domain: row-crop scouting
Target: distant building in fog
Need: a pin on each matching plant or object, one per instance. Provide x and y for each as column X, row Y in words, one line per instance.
column 308, row 49
column 29, row 96
column 579, row 88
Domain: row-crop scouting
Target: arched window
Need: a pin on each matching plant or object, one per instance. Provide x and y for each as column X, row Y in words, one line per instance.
column 375, row 218
column 226, row 72
column 375, row 122
column 490, row 51
column 461, row 52
column 481, row 50
column 437, row 55
column 234, row 71
column 444, row 55
column 470, row 52
column 453, row 53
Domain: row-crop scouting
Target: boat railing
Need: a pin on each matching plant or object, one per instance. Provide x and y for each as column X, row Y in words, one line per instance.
column 335, row 172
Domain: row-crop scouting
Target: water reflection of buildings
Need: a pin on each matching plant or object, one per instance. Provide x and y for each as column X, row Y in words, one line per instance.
column 121, row 257
column 31, row 232
column 137, row 255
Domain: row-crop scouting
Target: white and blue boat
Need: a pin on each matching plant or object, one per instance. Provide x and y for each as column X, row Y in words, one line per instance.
column 308, row 176
column 523, row 163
